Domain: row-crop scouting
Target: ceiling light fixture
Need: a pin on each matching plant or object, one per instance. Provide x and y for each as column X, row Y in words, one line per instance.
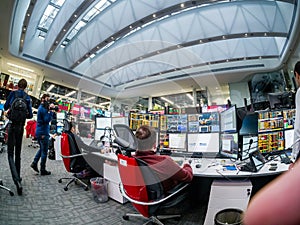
column 20, row 67
column 50, row 88
column 70, row 93
column 18, row 73
column 167, row 100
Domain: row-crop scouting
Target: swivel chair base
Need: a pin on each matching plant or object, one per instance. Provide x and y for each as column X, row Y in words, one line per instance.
column 6, row 188
column 75, row 180
column 152, row 219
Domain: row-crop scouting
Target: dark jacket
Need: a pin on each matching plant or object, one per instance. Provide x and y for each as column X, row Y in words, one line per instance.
column 44, row 116
column 11, row 97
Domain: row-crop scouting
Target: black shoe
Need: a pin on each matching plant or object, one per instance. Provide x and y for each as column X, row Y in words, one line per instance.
column 34, row 167
column 19, row 188
column 45, row 172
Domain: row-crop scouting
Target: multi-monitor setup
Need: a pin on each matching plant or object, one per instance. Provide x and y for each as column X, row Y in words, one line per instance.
column 238, row 135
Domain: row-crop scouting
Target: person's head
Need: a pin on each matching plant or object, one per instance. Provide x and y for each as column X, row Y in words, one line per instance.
column 45, row 97
column 297, row 73
column 22, row 84
column 146, row 138
column 72, row 127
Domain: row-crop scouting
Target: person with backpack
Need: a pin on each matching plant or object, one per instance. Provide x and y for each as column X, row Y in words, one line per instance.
column 19, row 106
column 44, row 116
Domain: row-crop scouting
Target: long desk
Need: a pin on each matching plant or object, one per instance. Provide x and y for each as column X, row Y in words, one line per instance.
column 223, row 188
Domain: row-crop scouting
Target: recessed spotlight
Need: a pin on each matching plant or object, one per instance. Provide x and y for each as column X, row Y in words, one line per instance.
column 182, row 5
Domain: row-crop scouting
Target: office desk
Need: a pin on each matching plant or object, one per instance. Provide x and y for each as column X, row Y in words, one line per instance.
column 215, row 168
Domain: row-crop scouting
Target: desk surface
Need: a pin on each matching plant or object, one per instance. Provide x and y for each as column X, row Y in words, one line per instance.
column 208, row 167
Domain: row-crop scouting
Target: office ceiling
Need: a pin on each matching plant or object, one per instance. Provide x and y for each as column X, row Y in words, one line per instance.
column 129, row 48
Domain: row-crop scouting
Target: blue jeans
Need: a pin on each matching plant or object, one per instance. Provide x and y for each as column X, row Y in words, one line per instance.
column 43, row 151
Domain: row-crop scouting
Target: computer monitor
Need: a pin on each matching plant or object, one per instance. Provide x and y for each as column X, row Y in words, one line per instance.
column 289, row 138
column 177, row 141
column 271, row 142
column 249, row 124
column 249, row 145
column 203, row 142
column 229, row 120
column 229, row 145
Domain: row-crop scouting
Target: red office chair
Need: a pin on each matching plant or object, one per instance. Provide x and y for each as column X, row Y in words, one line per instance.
column 142, row 187
column 72, row 158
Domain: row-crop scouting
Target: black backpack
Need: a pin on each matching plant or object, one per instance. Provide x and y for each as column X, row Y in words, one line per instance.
column 18, row 109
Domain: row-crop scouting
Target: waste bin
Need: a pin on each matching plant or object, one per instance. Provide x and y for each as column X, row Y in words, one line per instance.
column 229, row 217
column 99, row 189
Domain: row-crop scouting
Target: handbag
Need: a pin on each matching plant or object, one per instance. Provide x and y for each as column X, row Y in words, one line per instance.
column 51, row 154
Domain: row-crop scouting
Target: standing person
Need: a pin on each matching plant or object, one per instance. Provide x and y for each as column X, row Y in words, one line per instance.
column 169, row 172
column 16, row 130
column 44, row 116
column 296, row 145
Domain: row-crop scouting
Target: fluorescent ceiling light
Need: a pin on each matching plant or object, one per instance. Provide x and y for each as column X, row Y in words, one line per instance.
column 70, row 93
column 190, row 97
column 167, row 100
column 90, row 98
column 20, row 67
column 50, row 88
column 104, row 103
column 20, row 74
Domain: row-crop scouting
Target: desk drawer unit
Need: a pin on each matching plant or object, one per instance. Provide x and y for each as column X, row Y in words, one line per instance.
column 111, row 173
column 226, row 194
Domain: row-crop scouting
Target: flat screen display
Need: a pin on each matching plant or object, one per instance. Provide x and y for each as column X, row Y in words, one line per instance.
column 250, row 144
column 229, row 120
column 203, row 142
column 289, row 138
column 229, row 145
column 177, row 140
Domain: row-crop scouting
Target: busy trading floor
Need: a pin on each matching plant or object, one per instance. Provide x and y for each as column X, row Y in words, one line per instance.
column 44, row 200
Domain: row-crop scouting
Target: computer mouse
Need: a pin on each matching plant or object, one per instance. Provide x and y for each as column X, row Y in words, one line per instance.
column 198, row 165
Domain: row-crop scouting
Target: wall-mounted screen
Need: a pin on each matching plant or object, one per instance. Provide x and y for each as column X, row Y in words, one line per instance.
column 229, row 120
column 203, row 142
column 229, row 145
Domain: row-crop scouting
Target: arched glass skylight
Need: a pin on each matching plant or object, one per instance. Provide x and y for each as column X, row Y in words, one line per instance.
column 99, row 7
column 48, row 17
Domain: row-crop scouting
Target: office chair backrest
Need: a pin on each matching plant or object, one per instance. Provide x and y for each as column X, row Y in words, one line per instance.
column 124, row 132
column 69, row 147
column 65, row 150
column 140, row 183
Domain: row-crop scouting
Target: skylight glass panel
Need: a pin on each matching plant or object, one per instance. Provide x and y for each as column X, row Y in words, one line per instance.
column 48, row 17
column 92, row 13
column 58, row 3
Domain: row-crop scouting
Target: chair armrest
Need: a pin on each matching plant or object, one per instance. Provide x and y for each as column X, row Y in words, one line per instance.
column 72, row 156
column 178, row 187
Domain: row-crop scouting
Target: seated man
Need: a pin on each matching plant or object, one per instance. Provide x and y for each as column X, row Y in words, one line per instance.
column 169, row 172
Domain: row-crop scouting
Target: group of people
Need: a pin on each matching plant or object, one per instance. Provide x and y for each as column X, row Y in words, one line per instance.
column 276, row 203
column 16, row 130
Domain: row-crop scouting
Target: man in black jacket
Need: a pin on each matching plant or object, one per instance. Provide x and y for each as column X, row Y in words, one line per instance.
column 15, row 134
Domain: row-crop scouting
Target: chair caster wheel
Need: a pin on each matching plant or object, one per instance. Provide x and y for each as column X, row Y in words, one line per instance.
column 86, row 188
column 65, row 188
column 1, row 182
column 125, row 217
column 11, row 193
column 59, row 181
